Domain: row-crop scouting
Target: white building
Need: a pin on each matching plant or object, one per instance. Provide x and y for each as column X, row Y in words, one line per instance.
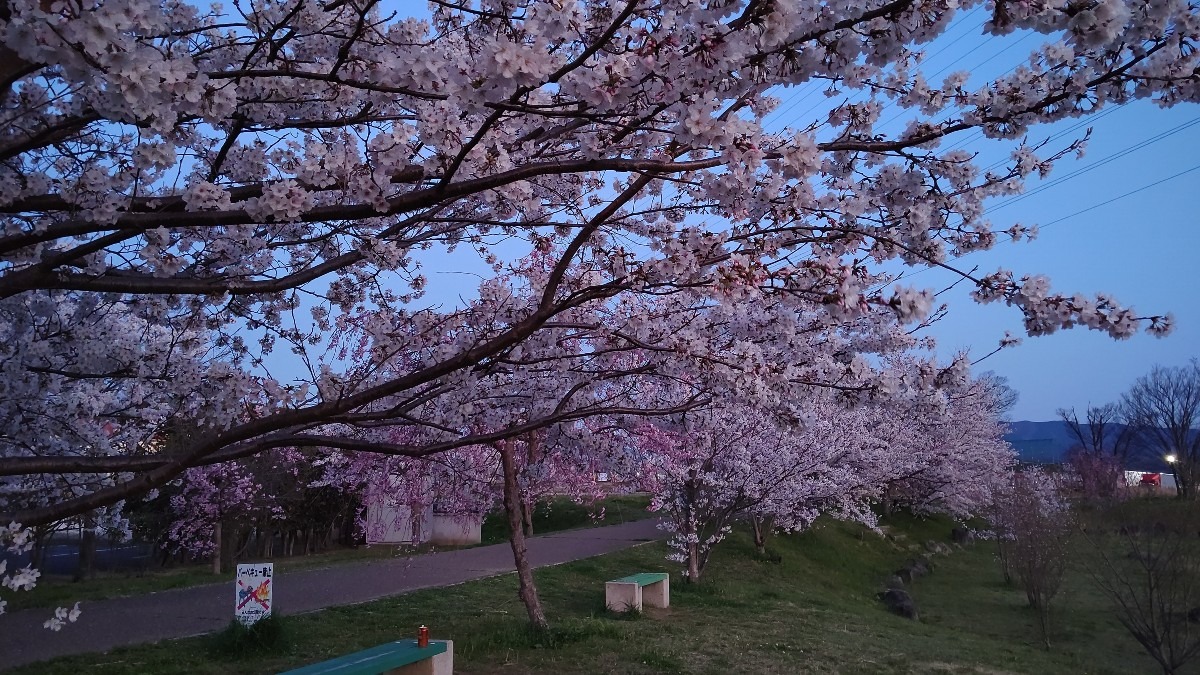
column 390, row 523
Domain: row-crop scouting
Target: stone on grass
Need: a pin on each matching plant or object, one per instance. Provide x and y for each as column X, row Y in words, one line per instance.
column 898, row 601
column 937, row 548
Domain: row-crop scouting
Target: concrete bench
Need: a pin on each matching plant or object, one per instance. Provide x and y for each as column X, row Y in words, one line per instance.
column 628, row 593
column 395, row 658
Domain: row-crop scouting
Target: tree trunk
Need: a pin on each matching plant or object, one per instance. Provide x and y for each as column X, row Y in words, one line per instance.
column 527, row 516
column 516, row 537
column 760, row 536
column 242, row 544
column 38, row 555
column 1185, row 480
column 216, row 556
column 229, row 540
column 693, row 562
column 690, row 531
column 87, row 549
column 1002, row 554
column 417, row 533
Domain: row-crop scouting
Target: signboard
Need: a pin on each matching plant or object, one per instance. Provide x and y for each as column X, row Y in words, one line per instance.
column 252, row 592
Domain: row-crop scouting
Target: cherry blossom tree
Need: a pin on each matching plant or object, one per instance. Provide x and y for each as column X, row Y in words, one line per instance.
column 17, row 540
column 187, row 194
column 946, row 453
column 711, row 467
column 1033, row 526
column 209, row 503
column 934, row 443
column 463, row 483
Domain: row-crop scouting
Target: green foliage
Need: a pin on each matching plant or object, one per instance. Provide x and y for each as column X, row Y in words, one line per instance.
column 266, row 637
column 563, row 514
column 664, row 663
column 627, row 614
column 510, row 636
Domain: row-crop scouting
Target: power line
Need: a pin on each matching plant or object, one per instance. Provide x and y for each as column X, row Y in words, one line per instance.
column 1098, row 163
column 913, row 273
column 1091, row 119
column 1109, row 201
column 796, row 99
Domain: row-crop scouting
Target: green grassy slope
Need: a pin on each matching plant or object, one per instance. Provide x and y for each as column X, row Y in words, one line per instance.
column 815, row 611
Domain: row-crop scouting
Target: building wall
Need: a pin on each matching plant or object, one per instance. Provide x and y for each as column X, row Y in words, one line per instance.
column 388, row 524
column 450, row 530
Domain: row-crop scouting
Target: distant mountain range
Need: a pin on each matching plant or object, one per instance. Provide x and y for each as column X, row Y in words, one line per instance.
column 1049, row 442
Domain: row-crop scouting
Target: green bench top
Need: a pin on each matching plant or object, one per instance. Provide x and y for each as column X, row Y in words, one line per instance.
column 643, row 579
column 379, row 659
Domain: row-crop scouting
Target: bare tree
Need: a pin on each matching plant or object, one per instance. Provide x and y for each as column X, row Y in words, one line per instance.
column 1151, row 573
column 1107, row 431
column 1165, row 405
column 1002, row 393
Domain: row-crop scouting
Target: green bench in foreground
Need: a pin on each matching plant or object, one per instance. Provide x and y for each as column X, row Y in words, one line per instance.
column 401, row 656
column 628, row 593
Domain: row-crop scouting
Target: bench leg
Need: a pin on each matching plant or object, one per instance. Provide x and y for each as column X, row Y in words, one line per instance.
column 622, row 597
column 439, row 664
column 657, row 594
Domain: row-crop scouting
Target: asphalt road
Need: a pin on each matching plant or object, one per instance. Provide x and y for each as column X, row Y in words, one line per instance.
column 106, row 624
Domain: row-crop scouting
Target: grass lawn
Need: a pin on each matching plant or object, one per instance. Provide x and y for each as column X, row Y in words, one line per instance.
column 813, row 612
column 563, row 514
column 548, row 517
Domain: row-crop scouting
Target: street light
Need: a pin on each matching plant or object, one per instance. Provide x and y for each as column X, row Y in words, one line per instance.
column 1171, row 459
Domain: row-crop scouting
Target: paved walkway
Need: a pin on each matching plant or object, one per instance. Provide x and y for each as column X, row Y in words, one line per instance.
column 183, row 612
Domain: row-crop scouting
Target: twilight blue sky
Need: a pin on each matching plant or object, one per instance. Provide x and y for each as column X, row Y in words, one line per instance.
column 1140, row 247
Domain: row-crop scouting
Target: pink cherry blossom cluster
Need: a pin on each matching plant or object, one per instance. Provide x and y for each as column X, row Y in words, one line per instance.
column 932, row 451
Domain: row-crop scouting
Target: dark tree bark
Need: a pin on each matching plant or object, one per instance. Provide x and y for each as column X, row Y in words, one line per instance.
column 86, row 566
column 41, row 536
column 694, row 564
column 228, row 547
column 216, row 556
column 693, row 570
column 526, row 589
column 760, row 534
column 527, row 516
column 1148, row 564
